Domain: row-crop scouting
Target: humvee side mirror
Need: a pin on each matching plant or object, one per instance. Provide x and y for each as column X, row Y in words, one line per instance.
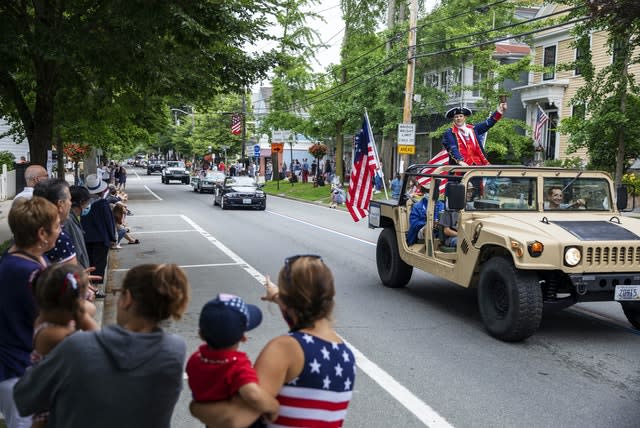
column 621, row 198
column 456, row 195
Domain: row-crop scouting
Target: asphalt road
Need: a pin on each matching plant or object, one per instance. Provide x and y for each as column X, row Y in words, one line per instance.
column 424, row 358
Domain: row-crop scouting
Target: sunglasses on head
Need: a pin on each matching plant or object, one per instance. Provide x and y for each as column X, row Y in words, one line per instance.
column 290, row 260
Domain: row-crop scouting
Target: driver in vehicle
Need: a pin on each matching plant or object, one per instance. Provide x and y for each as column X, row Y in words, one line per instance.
column 555, row 198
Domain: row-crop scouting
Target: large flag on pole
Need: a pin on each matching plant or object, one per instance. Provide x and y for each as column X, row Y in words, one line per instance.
column 362, row 171
column 541, row 119
column 236, row 124
column 441, row 158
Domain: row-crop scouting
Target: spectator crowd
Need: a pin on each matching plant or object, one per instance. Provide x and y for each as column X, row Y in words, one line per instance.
column 58, row 368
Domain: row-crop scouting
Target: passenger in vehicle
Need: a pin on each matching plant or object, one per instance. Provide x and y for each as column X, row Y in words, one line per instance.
column 555, row 198
column 449, row 220
column 418, row 217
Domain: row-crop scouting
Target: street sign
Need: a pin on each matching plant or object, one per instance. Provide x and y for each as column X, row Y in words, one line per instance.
column 407, row 150
column 256, row 150
column 406, row 134
column 277, row 147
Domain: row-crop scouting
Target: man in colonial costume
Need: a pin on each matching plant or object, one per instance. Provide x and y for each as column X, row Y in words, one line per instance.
column 462, row 140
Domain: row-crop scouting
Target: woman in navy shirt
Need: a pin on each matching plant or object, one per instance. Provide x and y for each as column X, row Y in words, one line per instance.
column 35, row 225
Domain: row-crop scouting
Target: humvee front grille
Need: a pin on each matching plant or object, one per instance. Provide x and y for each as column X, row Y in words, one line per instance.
column 612, row 255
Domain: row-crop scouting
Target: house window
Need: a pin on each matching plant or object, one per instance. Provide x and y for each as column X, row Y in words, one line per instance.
column 549, row 60
column 448, row 80
column 582, row 48
column 618, row 49
column 478, row 77
column 579, row 111
column 431, row 79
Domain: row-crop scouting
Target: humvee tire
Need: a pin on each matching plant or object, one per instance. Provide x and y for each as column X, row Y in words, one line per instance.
column 510, row 300
column 393, row 271
column 632, row 312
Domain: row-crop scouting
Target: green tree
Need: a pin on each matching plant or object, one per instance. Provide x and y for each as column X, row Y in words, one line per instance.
column 450, row 40
column 57, row 52
column 609, row 130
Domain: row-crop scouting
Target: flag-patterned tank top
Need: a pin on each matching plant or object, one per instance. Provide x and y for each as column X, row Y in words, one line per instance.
column 319, row 397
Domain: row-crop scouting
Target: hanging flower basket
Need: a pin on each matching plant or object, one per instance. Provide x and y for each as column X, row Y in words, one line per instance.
column 318, row 150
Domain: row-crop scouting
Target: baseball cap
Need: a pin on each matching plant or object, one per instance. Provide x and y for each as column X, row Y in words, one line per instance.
column 225, row 319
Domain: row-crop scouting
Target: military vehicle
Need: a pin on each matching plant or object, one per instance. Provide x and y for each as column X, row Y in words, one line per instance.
column 522, row 250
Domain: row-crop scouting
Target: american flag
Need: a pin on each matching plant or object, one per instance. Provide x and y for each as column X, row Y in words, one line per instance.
column 236, row 124
column 541, row 119
column 363, row 169
column 441, row 158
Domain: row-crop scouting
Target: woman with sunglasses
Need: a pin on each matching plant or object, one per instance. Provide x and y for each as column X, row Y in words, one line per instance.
column 311, row 371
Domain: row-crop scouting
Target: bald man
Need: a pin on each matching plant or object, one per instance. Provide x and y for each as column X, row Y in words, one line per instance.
column 33, row 175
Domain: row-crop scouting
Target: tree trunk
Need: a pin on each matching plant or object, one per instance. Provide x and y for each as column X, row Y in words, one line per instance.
column 43, row 112
column 340, row 150
column 622, row 90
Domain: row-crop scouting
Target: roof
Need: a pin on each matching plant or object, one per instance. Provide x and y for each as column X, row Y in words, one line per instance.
column 512, row 49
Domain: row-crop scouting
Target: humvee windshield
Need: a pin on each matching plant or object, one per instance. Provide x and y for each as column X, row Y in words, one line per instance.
column 175, row 164
column 502, row 193
column 590, row 194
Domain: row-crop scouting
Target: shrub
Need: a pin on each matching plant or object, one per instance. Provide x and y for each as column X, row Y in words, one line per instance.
column 7, row 158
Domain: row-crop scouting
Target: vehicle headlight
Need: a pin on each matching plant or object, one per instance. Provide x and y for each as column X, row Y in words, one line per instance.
column 572, row 256
column 260, row 194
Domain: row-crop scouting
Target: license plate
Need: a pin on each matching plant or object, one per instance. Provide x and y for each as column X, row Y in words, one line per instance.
column 627, row 292
column 246, row 201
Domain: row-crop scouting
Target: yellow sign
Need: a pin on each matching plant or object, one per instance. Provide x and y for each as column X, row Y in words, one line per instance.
column 406, row 150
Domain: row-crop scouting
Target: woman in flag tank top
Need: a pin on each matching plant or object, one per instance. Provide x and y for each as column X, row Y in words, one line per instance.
column 310, row 371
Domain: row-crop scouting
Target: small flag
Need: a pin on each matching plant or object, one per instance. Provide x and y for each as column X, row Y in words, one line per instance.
column 441, row 158
column 236, row 124
column 363, row 169
column 541, row 119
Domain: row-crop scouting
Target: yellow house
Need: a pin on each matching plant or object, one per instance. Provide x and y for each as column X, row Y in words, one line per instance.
column 552, row 91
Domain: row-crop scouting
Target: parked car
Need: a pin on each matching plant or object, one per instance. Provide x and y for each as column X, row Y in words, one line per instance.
column 154, row 166
column 208, row 182
column 175, row 170
column 241, row 191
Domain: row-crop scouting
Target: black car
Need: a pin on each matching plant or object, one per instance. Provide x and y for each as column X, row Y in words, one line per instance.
column 240, row 192
column 154, row 166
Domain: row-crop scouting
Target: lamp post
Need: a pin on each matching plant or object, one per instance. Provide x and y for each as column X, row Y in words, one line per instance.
column 177, row 121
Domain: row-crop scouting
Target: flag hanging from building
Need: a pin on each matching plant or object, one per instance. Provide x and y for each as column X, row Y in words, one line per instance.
column 441, row 158
column 363, row 169
column 236, row 124
column 541, row 119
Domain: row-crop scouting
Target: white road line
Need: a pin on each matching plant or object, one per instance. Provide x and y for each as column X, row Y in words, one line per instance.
column 419, row 408
column 138, row 176
column 323, row 228
column 155, row 215
column 190, row 266
column 151, row 191
column 163, row 231
column 416, row 406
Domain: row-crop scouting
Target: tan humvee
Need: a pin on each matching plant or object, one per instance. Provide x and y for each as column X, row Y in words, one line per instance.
column 528, row 239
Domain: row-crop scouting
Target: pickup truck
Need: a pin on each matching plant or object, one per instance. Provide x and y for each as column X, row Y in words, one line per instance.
column 522, row 251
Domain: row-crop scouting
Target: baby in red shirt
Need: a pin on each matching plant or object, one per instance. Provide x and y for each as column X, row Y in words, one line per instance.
column 217, row 370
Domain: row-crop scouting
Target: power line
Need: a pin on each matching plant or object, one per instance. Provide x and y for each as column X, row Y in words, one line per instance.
column 429, row 54
column 504, row 27
column 445, row 51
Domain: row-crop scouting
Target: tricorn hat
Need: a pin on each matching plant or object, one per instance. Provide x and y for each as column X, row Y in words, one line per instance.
column 457, row 110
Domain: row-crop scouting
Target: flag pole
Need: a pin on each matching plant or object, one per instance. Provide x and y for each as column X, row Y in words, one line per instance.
column 375, row 152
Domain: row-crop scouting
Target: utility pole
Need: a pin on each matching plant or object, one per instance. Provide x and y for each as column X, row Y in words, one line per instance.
column 244, row 122
column 411, row 69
